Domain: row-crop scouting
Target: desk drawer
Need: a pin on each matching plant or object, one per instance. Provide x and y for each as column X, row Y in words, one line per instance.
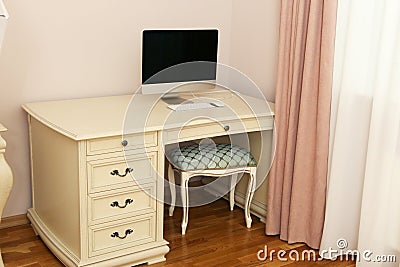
column 105, row 174
column 119, row 203
column 212, row 129
column 109, row 237
column 115, row 143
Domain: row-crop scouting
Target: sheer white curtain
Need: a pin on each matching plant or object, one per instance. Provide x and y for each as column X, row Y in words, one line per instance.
column 363, row 198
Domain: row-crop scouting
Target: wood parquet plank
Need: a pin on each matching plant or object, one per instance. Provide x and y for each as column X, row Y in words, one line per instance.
column 215, row 237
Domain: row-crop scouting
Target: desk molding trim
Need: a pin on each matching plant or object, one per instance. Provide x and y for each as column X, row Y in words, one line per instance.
column 149, row 255
column 53, row 243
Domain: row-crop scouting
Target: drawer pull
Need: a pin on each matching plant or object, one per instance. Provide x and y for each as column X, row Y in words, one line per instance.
column 116, row 172
column 226, row 128
column 116, row 234
column 127, row 202
column 124, row 143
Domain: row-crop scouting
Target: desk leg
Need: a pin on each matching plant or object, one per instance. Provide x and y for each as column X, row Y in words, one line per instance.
column 6, row 182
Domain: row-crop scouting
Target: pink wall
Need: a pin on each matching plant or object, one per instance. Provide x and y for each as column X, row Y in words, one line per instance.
column 72, row 49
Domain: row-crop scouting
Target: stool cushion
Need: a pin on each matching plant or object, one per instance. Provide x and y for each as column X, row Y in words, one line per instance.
column 210, row 156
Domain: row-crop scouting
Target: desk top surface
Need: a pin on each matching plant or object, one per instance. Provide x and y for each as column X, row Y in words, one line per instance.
column 88, row 118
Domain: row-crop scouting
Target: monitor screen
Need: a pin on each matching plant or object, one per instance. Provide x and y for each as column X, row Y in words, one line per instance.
column 162, row 49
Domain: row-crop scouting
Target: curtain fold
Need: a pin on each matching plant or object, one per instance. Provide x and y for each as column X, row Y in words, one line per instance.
column 297, row 183
column 363, row 198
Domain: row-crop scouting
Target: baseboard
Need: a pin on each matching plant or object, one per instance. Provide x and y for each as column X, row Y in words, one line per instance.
column 257, row 208
column 12, row 221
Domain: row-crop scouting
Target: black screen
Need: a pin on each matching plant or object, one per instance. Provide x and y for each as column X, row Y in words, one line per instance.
column 166, row 48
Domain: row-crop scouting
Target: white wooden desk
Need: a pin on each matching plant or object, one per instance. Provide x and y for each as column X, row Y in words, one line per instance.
column 76, row 143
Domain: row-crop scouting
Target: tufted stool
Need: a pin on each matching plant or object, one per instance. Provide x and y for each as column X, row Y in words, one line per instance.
column 210, row 160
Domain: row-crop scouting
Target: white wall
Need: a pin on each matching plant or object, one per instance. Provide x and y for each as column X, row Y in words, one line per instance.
column 71, row 49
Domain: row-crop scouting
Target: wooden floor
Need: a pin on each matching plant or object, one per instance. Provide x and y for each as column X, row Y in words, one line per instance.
column 215, row 237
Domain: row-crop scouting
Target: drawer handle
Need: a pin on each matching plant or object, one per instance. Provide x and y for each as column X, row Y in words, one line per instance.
column 127, row 202
column 226, row 128
column 116, row 234
column 116, row 172
column 124, row 143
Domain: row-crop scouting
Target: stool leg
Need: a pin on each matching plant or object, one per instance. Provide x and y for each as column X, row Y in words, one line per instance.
column 171, row 179
column 249, row 196
column 185, row 200
column 232, row 192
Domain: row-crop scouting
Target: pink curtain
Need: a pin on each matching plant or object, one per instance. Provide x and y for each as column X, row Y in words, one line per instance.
column 297, row 183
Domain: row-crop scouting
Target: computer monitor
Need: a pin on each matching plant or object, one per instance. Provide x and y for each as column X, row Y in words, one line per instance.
column 174, row 57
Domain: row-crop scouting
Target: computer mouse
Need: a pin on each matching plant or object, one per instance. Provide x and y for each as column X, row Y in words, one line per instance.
column 217, row 104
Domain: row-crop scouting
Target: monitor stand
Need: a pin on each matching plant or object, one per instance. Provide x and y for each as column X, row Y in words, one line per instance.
column 173, row 99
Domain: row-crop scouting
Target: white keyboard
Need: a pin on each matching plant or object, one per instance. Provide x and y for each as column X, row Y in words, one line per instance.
column 191, row 106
